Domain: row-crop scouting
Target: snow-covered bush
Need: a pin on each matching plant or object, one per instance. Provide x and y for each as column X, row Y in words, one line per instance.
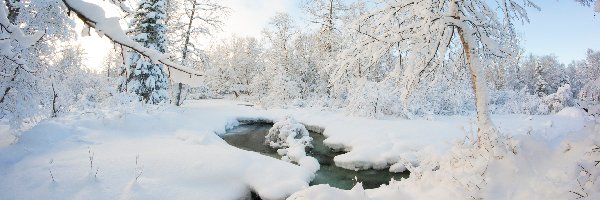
column 440, row 97
column 559, row 100
column 516, row 102
column 286, row 133
column 291, row 139
column 199, row 92
column 372, row 99
column 587, row 183
column 590, row 97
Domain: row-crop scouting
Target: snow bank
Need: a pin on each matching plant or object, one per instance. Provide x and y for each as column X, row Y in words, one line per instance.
column 6, row 137
column 291, row 139
column 379, row 144
column 571, row 112
column 542, row 167
column 325, row 192
column 181, row 156
column 177, row 152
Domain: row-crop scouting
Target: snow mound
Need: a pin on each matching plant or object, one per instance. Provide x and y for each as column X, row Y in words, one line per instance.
column 292, row 139
column 143, row 154
column 326, row 192
column 286, row 133
column 571, row 112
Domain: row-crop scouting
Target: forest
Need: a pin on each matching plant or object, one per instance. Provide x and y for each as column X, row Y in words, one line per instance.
column 440, row 92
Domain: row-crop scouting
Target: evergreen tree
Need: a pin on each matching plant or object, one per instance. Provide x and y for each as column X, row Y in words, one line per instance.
column 144, row 77
column 540, row 84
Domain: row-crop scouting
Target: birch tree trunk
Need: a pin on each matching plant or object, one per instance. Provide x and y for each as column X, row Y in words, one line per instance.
column 484, row 122
column 487, row 134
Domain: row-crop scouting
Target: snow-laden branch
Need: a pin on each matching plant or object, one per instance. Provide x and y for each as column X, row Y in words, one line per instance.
column 9, row 33
column 94, row 16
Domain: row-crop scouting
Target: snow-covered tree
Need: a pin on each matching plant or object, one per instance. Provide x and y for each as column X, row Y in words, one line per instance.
column 589, row 3
column 540, row 83
column 328, row 14
column 283, row 85
column 93, row 16
column 309, row 67
column 541, row 75
column 588, row 72
column 145, row 77
column 70, row 84
column 25, row 86
column 113, row 62
column 562, row 98
column 189, row 23
column 236, row 64
column 425, row 29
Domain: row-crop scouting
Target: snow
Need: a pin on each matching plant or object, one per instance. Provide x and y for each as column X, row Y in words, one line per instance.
column 325, row 192
column 6, row 138
column 291, row 138
column 287, row 132
column 111, row 27
column 12, row 33
column 180, row 155
column 182, row 158
column 380, row 143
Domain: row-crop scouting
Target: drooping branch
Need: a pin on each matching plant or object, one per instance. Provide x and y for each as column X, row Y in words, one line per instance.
column 94, row 16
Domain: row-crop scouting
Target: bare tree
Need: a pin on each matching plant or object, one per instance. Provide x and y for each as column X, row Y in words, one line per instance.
column 196, row 20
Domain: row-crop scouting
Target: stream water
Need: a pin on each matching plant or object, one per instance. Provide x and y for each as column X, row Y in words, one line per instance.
column 251, row 137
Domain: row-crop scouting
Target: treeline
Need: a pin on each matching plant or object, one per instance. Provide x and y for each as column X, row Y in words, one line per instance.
column 338, row 66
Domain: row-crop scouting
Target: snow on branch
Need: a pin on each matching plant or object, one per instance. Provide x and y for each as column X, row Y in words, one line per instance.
column 94, row 16
column 9, row 33
column 124, row 8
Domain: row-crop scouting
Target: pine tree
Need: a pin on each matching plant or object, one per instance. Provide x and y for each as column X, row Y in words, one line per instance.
column 540, row 84
column 145, row 78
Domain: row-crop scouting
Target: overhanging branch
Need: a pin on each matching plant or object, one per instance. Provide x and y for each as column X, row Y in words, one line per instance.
column 141, row 50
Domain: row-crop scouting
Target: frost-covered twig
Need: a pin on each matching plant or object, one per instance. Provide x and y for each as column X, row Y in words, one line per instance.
column 50, row 169
column 139, row 170
column 91, row 158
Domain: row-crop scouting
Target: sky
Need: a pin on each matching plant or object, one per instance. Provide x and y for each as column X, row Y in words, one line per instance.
column 248, row 18
column 563, row 28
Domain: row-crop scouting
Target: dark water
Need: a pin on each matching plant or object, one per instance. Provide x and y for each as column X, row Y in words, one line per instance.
column 251, row 137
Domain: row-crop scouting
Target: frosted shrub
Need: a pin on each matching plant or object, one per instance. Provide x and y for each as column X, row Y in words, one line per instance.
column 589, row 174
column 559, row 100
column 199, row 92
column 439, row 98
column 586, row 183
column 286, row 133
column 516, row 102
column 590, row 97
column 373, row 99
column 291, row 139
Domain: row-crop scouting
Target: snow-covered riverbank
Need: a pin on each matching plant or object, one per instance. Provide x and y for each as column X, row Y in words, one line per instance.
column 174, row 153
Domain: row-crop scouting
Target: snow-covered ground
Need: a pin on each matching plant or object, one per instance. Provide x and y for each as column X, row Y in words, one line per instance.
column 175, row 153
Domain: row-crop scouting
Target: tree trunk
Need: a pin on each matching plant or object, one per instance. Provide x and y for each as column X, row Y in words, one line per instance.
column 485, row 128
column 185, row 49
column 54, row 96
column 179, row 89
column 7, row 90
